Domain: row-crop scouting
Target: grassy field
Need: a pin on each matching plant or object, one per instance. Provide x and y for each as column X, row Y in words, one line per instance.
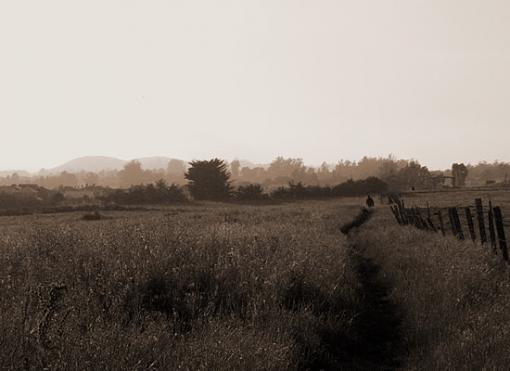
column 199, row 287
column 273, row 287
column 455, row 296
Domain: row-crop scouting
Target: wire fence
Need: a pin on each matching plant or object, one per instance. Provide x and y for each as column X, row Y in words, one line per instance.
column 483, row 223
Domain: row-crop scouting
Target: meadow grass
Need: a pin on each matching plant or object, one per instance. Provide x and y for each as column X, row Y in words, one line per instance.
column 455, row 295
column 197, row 287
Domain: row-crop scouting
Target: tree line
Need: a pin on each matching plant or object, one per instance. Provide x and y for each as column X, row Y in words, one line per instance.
column 397, row 173
column 212, row 180
column 218, row 180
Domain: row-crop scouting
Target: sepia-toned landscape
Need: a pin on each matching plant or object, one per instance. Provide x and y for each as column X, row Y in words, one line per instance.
column 221, row 274
column 227, row 185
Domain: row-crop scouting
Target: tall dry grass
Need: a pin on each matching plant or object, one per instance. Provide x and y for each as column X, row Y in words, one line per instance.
column 193, row 288
column 455, row 296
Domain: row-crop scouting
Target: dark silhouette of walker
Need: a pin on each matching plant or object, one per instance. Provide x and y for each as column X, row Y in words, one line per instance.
column 370, row 201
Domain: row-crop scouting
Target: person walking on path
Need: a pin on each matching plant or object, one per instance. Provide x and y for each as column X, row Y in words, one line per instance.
column 370, row 201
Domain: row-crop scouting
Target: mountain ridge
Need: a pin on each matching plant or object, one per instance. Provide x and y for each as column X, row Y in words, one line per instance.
column 107, row 163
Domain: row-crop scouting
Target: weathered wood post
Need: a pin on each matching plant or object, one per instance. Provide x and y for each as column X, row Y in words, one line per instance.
column 410, row 216
column 500, row 228
column 471, row 225
column 419, row 219
column 423, row 220
column 452, row 221
column 431, row 224
column 492, row 231
column 401, row 211
column 394, row 210
column 481, row 220
column 403, row 215
column 458, row 226
column 441, row 223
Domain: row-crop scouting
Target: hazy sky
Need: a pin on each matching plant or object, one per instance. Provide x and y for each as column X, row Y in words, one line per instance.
column 316, row 79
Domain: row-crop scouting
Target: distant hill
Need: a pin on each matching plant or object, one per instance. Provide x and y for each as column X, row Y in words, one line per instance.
column 89, row 163
column 99, row 163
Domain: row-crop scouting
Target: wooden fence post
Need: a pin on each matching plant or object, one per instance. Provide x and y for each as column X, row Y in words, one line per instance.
column 423, row 221
column 431, row 224
column 441, row 224
column 405, row 215
column 419, row 220
column 458, row 226
column 401, row 211
column 394, row 210
column 452, row 222
column 492, row 231
column 471, row 225
column 481, row 220
column 410, row 216
column 498, row 216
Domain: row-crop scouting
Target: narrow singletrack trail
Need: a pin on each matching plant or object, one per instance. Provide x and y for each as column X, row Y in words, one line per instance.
column 378, row 325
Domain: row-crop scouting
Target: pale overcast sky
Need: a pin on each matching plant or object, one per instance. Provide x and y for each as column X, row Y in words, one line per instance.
column 316, row 79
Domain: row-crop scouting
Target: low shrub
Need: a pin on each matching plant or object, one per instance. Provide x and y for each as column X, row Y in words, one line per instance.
column 250, row 192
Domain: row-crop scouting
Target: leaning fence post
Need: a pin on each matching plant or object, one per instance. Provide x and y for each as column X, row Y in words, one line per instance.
column 418, row 219
column 431, row 225
column 456, row 221
column 501, row 232
column 403, row 210
column 481, row 221
column 452, row 221
column 471, row 225
column 423, row 221
column 400, row 208
column 441, row 224
column 394, row 210
column 403, row 214
column 492, row 231
column 410, row 216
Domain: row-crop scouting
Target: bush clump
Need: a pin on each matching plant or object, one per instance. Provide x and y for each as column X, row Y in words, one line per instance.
column 159, row 193
column 250, row 192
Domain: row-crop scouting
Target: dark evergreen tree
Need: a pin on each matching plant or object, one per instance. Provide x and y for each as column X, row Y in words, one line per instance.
column 209, row 180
